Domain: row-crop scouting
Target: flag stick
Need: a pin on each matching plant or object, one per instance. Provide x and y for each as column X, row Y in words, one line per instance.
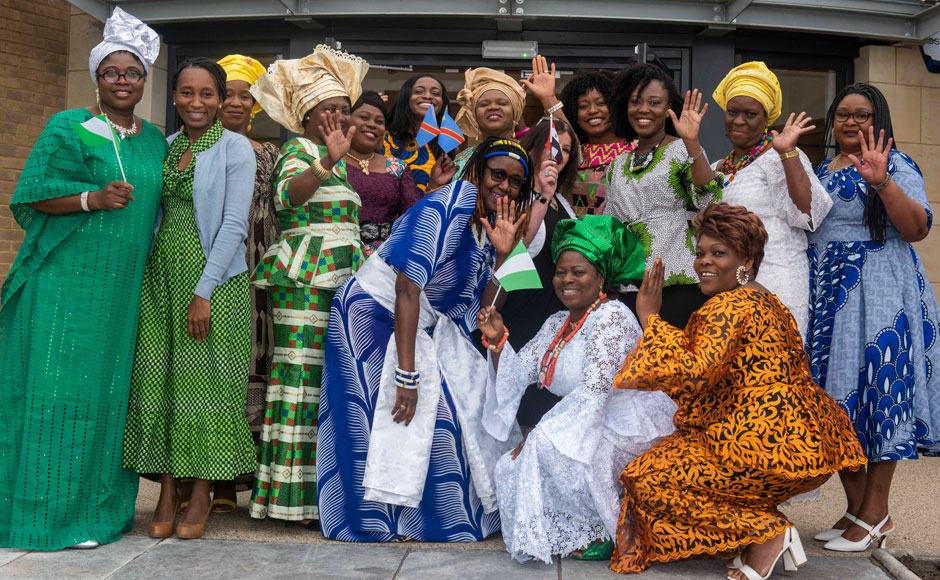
column 118, row 155
column 498, row 288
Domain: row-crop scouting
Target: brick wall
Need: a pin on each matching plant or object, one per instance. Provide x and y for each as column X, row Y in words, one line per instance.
column 913, row 94
column 33, row 56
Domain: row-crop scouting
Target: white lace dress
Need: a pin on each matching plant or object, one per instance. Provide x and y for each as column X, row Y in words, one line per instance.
column 562, row 492
column 761, row 187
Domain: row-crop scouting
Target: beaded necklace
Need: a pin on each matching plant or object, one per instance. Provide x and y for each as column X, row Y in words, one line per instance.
column 730, row 168
column 547, row 368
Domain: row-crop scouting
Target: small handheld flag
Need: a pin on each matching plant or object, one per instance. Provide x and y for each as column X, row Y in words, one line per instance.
column 97, row 131
column 553, row 145
column 518, row 271
column 428, row 129
column 450, row 137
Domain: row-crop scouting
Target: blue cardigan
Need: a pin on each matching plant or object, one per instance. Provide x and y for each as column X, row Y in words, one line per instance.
column 223, row 186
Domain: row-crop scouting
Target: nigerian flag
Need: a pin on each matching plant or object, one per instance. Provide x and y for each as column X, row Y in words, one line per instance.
column 97, row 131
column 518, row 271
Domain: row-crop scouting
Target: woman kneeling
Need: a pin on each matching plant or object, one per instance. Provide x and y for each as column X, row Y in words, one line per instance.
column 752, row 429
column 557, row 490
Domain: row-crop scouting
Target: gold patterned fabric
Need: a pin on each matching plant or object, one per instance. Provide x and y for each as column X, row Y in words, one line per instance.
column 476, row 82
column 290, row 88
column 752, row 430
column 239, row 67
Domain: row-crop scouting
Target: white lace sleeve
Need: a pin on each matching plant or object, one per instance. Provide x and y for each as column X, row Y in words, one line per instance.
column 504, row 389
column 573, row 424
column 820, row 202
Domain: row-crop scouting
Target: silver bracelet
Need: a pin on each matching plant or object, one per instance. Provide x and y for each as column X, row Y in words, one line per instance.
column 84, row 199
column 701, row 151
column 554, row 108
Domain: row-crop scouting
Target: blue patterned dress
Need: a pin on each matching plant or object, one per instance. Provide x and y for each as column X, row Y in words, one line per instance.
column 432, row 244
column 872, row 339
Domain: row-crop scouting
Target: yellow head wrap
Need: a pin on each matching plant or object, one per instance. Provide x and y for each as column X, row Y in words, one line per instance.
column 243, row 68
column 476, row 82
column 290, row 88
column 755, row 80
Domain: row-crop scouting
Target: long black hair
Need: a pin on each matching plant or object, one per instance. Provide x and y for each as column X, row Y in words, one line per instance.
column 535, row 139
column 401, row 121
column 875, row 216
column 636, row 78
column 214, row 69
column 600, row 81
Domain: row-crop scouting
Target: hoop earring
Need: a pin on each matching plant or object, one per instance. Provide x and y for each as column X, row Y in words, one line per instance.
column 740, row 273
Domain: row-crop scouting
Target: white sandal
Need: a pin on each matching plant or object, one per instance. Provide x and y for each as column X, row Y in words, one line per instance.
column 793, row 557
column 834, row 533
column 841, row 544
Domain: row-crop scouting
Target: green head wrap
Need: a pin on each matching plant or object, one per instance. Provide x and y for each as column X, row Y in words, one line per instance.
column 612, row 248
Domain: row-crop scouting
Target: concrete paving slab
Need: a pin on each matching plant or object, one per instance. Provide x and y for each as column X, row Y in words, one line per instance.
column 227, row 560
column 7, row 555
column 814, row 569
column 466, row 565
column 77, row 564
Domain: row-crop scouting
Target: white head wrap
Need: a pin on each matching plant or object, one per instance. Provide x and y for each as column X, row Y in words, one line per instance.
column 123, row 31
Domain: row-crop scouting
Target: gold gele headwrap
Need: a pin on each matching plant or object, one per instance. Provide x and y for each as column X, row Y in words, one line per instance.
column 607, row 243
column 290, row 88
column 755, row 80
column 476, row 82
column 239, row 67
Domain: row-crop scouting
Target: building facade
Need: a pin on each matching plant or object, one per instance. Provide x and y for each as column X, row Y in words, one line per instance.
column 815, row 51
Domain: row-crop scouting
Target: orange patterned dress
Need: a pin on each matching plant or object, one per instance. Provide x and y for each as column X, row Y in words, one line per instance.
column 752, row 430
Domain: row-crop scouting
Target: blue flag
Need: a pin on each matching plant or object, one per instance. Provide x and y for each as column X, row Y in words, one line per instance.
column 428, row 129
column 450, row 137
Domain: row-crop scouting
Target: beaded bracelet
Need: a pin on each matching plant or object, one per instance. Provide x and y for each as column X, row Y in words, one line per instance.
column 406, row 379
column 883, row 184
column 499, row 347
column 554, row 108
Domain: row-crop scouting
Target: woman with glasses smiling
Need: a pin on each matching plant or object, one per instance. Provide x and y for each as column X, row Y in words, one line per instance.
column 401, row 451
column 70, row 308
column 873, row 336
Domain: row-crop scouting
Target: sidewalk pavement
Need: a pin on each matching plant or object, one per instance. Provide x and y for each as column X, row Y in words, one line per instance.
column 237, row 547
column 142, row 558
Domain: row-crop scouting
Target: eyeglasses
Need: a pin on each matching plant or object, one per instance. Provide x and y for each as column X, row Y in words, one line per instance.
column 500, row 175
column 860, row 116
column 131, row 77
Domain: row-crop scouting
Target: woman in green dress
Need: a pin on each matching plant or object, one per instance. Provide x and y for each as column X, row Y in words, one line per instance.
column 319, row 248
column 187, row 409
column 70, row 305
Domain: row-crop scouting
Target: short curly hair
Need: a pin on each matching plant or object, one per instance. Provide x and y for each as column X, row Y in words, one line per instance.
column 735, row 226
column 579, row 85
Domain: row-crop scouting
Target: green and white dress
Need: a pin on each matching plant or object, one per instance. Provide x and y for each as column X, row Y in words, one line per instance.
column 318, row 250
column 187, row 409
column 67, row 327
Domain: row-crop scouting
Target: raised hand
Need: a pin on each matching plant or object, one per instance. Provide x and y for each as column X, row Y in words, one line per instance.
column 541, row 83
column 649, row 299
column 115, row 195
column 490, row 324
column 337, row 142
column 873, row 165
column 693, row 110
column 785, row 141
column 503, row 234
column 548, row 178
column 442, row 172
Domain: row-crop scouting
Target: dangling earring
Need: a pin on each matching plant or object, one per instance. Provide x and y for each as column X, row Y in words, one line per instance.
column 740, row 273
column 97, row 98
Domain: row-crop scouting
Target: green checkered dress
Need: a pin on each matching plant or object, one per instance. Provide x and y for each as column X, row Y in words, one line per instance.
column 319, row 249
column 187, row 407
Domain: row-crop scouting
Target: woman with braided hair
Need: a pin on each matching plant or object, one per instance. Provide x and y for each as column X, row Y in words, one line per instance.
column 873, row 331
column 401, row 450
